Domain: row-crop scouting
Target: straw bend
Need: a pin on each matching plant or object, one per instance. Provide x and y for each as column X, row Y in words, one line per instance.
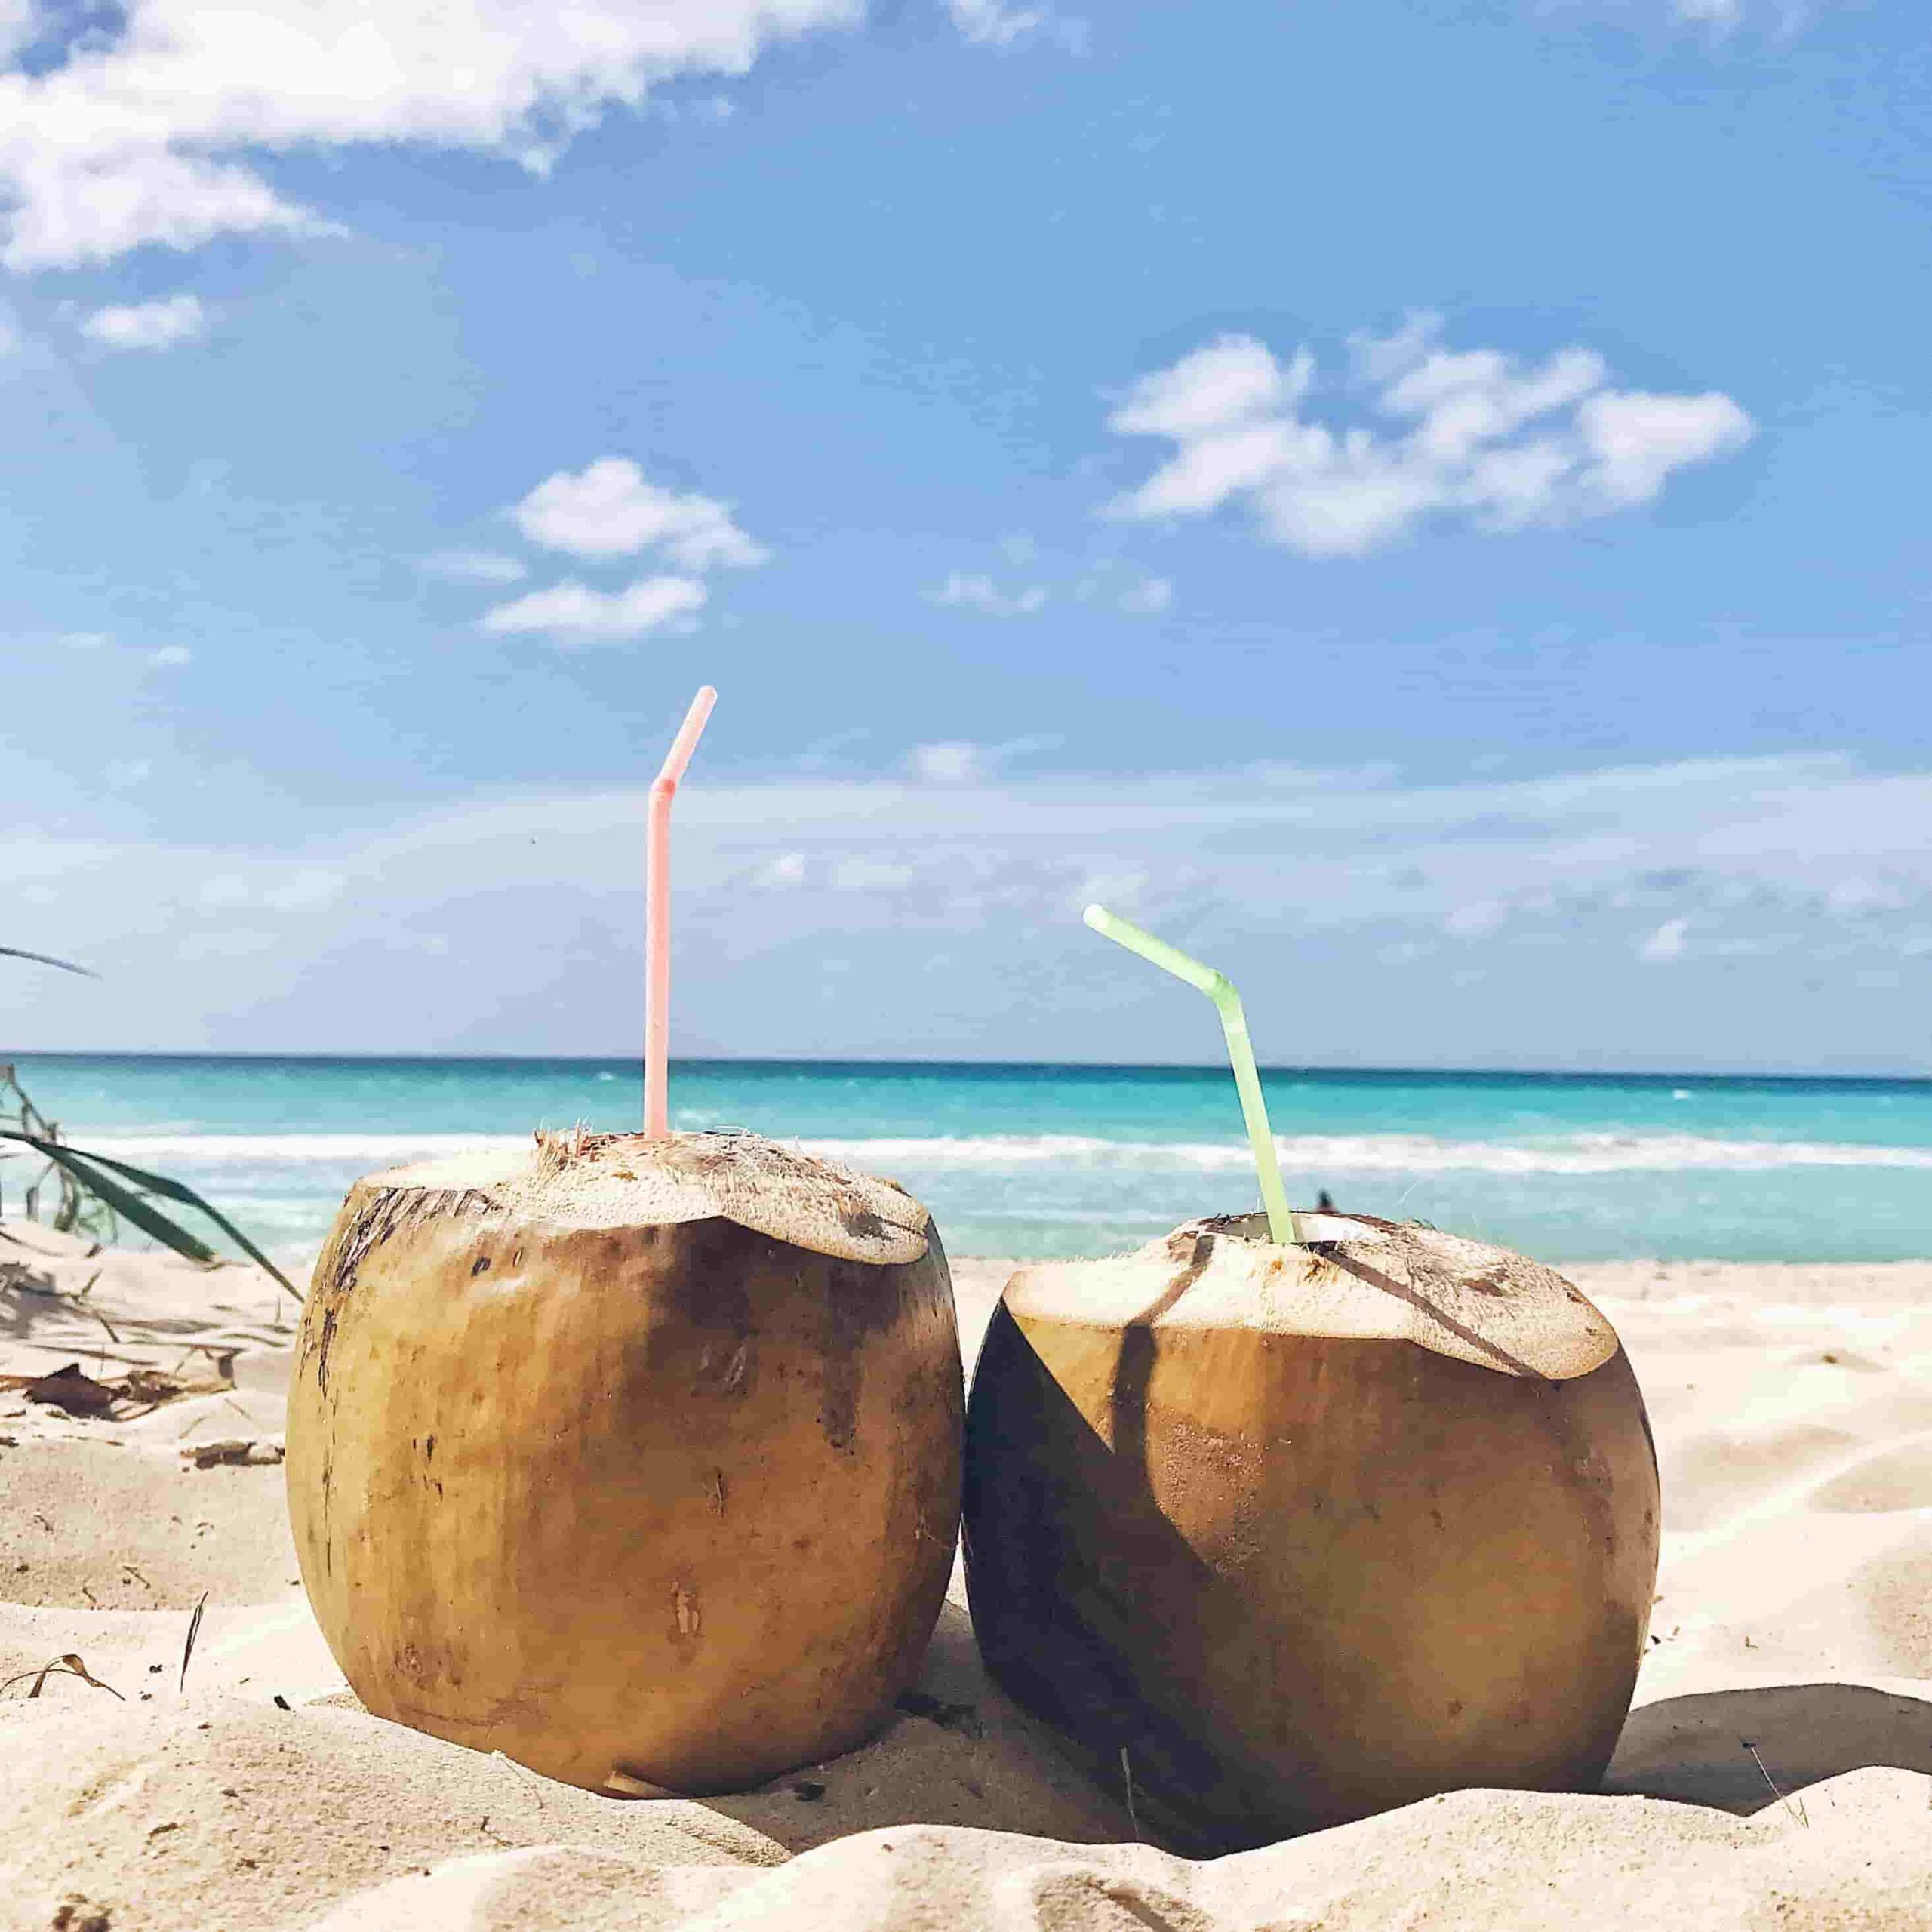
column 657, row 916
column 1219, row 988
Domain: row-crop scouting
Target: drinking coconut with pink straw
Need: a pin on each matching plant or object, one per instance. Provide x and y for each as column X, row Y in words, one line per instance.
column 1289, row 1517
column 636, row 1456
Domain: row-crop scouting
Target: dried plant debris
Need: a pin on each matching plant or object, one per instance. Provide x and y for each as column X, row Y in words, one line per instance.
column 250, row 1451
column 194, row 1631
column 117, row 1398
column 66, row 1665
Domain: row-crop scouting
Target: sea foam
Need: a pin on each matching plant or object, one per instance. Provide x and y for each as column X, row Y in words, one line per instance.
column 1593, row 1153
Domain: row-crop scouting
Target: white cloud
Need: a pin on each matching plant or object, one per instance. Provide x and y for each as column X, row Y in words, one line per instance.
column 1636, row 440
column 574, row 611
column 85, row 640
column 170, row 655
column 979, row 593
column 476, row 566
column 609, row 509
column 1472, row 435
column 147, row 324
column 151, row 127
column 1234, row 379
column 1667, row 943
column 123, row 774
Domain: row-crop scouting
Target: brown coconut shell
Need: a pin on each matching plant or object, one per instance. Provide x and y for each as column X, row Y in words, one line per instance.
column 638, row 1461
column 1287, row 1536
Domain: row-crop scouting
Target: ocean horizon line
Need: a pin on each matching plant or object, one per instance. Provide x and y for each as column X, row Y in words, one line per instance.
column 891, row 1065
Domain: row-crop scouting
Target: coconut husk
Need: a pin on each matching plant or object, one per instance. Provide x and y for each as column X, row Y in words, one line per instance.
column 1356, row 1276
column 582, row 1179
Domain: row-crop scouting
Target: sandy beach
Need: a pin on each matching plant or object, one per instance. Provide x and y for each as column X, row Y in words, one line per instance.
column 1776, row 1770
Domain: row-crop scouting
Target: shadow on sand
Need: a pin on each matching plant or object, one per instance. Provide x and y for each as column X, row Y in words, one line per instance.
column 1698, row 1749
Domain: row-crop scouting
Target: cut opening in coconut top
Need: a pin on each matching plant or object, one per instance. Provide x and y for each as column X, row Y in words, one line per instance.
column 579, row 1179
column 1356, row 1277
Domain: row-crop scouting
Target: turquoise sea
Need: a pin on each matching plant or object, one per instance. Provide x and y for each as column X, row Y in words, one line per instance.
column 1038, row 1160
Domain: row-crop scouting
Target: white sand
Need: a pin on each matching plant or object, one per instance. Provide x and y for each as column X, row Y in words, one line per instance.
column 1793, row 1412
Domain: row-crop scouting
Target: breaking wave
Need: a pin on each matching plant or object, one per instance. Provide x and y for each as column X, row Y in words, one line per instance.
column 1592, row 1153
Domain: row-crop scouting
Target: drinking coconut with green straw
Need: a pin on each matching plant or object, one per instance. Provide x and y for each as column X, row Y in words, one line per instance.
column 1289, row 1517
column 634, row 1457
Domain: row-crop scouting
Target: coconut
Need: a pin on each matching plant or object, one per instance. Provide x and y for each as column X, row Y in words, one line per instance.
column 1277, row 1537
column 636, row 1460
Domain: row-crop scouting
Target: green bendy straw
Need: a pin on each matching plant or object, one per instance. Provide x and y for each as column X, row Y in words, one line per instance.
column 1233, row 1024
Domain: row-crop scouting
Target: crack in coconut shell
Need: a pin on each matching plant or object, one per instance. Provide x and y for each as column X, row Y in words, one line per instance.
column 1357, row 1276
column 580, row 1179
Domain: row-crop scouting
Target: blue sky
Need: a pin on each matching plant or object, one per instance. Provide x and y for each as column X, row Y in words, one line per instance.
column 1423, row 501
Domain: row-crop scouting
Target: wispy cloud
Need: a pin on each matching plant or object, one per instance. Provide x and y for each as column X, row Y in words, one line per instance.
column 149, row 129
column 153, row 325
column 1665, row 944
column 1470, row 435
column 996, row 23
column 1779, row 19
column 1680, row 912
column 573, row 613
column 1720, row 24
column 954, row 763
column 1148, row 596
column 476, row 566
column 958, row 761
column 974, row 591
column 1108, row 583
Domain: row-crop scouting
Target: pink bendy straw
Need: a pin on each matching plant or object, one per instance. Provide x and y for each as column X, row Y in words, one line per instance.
column 657, row 918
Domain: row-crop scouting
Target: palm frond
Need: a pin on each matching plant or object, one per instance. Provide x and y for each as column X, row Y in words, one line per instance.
column 46, row 959
column 105, row 1177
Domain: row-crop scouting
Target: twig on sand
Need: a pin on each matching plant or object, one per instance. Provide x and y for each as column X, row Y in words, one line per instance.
column 525, row 1774
column 1796, row 1809
column 194, row 1631
column 1127, row 1781
column 66, row 1665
